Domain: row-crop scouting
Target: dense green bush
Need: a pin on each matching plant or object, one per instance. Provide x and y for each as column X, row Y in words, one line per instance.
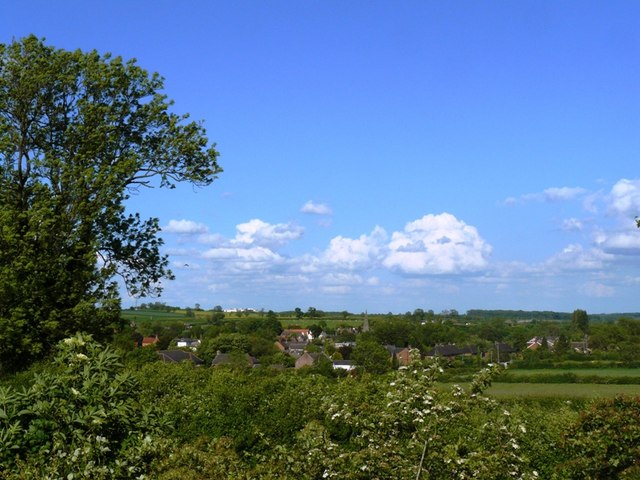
column 604, row 443
column 88, row 416
column 80, row 419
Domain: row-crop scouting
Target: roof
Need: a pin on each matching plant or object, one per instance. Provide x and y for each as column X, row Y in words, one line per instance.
column 294, row 345
column 506, row 348
column 231, row 358
column 393, row 350
column 445, row 351
column 287, row 331
column 149, row 341
column 177, row 356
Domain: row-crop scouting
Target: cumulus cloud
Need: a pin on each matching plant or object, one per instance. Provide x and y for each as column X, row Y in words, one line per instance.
column 244, row 258
column 437, row 244
column 624, row 197
column 257, row 232
column 362, row 252
column 553, row 194
column 621, row 243
column 184, row 227
column 316, row 208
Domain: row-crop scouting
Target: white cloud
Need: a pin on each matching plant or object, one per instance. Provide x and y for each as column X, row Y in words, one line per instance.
column 316, row 208
column 257, row 232
column 556, row 194
column 575, row 257
column 625, row 197
column 572, row 225
column 254, row 254
column 185, row 227
column 362, row 252
column 621, row 243
column 437, row 244
column 230, row 259
column 553, row 194
column 599, row 290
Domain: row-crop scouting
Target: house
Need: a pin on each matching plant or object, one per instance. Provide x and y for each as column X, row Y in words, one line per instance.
column 177, row 356
column 149, row 341
column 309, row 359
column 447, row 351
column 192, row 343
column 400, row 354
column 340, row 345
column 296, row 335
column 403, row 356
column 505, row 348
column 343, row 365
column 537, row 342
column 234, row 358
column 295, row 349
column 470, row 351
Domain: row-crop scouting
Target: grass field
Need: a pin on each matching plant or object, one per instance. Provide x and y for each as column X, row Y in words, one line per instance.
column 560, row 390
column 157, row 316
column 585, row 372
column 330, row 322
column 202, row 316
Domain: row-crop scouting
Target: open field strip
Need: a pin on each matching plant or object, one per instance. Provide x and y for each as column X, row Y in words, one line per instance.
column 600, row 372
column 560, row 390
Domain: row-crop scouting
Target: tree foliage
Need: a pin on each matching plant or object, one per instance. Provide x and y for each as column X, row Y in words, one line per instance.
column 80, row 131
column 605, row 441
column 81, row 419
column 580, row 320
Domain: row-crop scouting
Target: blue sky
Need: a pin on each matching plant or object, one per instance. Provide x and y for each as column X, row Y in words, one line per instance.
column 387, row 156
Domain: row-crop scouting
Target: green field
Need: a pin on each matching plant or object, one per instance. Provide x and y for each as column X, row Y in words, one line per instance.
column 331, row 323
column 585, row 372
column 560, row 390
column 202, row 316
column 156, row 316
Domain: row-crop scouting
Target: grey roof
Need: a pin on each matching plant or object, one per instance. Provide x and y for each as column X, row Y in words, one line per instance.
column 506, row 348
column 294, row 345
column 227, row 358
column 177, row 356
column 445, row 351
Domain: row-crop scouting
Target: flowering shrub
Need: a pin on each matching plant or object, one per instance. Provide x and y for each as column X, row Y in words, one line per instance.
column 416, row 429
column 80, row 420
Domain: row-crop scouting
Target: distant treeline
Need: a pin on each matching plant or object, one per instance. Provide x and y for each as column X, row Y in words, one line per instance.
column 544, row 315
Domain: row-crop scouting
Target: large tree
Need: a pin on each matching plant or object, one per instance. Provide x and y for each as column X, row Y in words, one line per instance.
column 80, row 131
column 580, row 320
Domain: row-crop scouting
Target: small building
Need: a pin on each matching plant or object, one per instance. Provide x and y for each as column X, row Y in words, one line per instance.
column 177, row 356
column 447, row 351
column 537, row 342
column 309, row 359
column 295, row 349
column 192, row 343
column 343, row 365
column 149, row 341
column 234, row 358
column 296, row 335
column 402, row 355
